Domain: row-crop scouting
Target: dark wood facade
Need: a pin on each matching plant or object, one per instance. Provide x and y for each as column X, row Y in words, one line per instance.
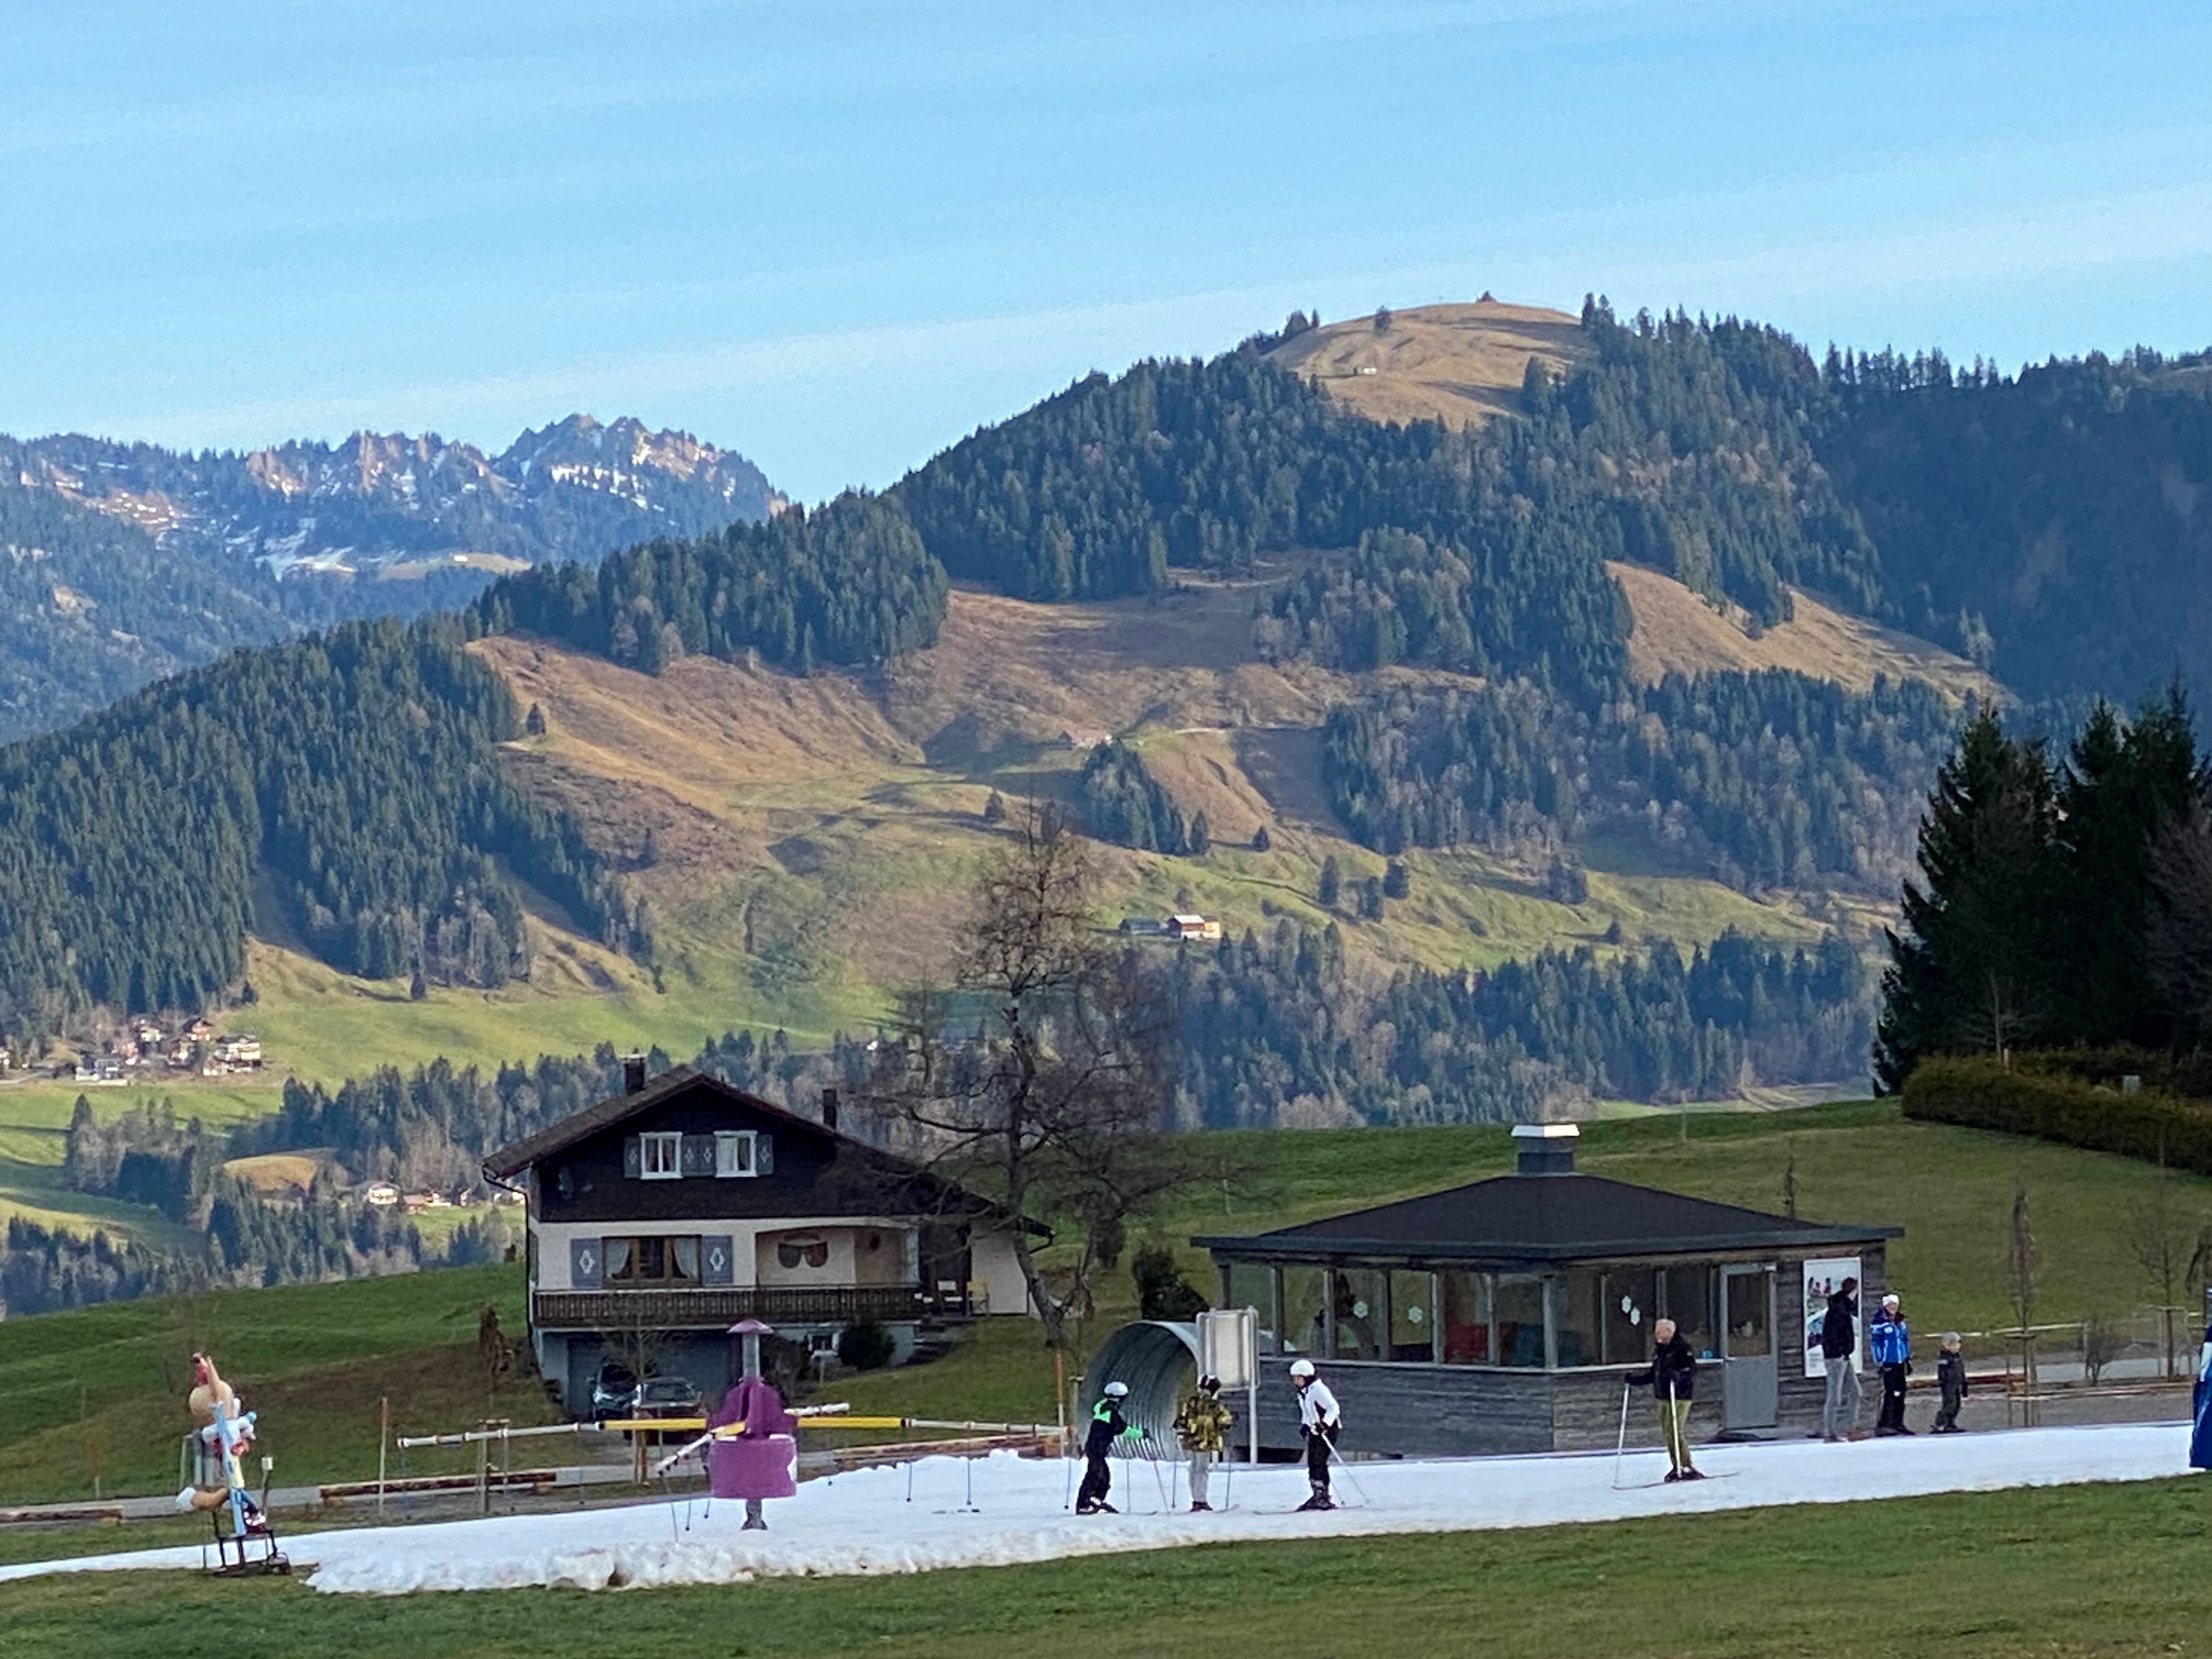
column 659, row 1218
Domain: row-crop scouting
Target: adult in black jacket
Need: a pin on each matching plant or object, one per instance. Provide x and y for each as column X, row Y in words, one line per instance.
column 1839, row 1354
column 1672, row 1376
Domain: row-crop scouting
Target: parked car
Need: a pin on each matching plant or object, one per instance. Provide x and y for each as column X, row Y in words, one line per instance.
column 666, row 1396
column 614, row 1391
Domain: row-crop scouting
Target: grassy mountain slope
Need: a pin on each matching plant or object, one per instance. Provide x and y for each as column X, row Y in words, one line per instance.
column 804, row 843
column 1460, row 364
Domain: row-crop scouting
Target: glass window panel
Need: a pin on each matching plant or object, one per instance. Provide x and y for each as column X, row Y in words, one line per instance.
column 1574, row 1308
column 733, row 1152
column 1359, row 1313
column 1750, row 1332
column 1466, row 1318
column 1631, row 1302
column 1519, row 1318
column 685, row 1262
column 1411, row 1316
column 1691, row 1293
column 1302, row 1288
column 617, row 1258
column 651, row 1258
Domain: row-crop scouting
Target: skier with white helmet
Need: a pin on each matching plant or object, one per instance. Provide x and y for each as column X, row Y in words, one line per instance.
column 1319, row 1419
column 1107, row 1425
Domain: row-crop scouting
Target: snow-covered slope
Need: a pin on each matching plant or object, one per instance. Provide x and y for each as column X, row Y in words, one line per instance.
column 918, row 1518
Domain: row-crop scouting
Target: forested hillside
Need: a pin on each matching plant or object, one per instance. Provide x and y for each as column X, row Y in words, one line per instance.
column 1770, row 780
column 1431, row 604
column 848, row 584
column 355, row 770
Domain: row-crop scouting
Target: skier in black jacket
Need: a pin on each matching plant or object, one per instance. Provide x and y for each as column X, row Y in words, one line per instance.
column 1107, row 1425
column 1672, row 1378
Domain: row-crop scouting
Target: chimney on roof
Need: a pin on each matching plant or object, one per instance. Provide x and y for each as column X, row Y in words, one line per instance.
column 1543, row 1149
column 828, row 1109
column 633, row 1073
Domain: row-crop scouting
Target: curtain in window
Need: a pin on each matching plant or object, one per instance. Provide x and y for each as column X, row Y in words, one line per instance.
column 685, row 1266
column 618, row 1258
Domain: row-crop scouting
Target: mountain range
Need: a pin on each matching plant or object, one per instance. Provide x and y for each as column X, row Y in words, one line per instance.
column 125, row 562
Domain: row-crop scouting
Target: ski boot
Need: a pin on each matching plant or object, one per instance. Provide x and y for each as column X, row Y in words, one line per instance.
column 1319, row 1500
column 1202, row 1507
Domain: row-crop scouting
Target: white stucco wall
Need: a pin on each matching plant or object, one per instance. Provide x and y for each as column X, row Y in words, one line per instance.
column 991, row 1264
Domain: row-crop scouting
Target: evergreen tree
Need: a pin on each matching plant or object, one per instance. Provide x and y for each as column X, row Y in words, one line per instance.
column 1396, row 884
column 2122, row 786
column 1972, row 969
column 1330, row 886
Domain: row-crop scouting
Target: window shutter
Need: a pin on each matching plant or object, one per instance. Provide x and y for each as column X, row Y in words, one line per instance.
column 698, row 1155
column 717, row 1259
column 633, row 1156
column 586, row 1256
column 763, row 1153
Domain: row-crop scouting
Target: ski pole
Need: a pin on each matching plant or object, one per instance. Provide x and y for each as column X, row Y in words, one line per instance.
column 1620, row 1444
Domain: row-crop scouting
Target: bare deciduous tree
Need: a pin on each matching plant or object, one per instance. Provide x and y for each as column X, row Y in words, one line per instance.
column 2167, row 1240
column 2024, row 1268
column 1047, row 1092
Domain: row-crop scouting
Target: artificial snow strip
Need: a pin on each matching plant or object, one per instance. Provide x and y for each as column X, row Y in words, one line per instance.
column 867, row 1523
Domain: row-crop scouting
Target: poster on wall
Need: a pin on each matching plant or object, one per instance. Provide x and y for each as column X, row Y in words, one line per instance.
column 1824, row 1277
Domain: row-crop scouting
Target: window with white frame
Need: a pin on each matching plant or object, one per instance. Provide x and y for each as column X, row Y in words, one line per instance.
column 661, row 1156
column 733, row 1154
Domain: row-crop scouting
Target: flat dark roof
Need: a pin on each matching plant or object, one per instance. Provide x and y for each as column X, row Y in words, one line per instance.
column 1540, row 1218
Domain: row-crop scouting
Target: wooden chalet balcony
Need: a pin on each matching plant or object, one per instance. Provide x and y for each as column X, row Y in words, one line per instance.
column 775, row 1304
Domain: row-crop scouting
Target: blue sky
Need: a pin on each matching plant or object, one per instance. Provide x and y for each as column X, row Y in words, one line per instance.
column 838, row 237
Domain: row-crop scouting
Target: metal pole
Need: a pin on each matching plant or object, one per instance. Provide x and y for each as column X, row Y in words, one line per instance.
column 1620, row 1444
column 383, row 1442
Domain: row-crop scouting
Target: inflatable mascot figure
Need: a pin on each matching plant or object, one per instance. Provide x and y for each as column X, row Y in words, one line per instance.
column 223, row 1435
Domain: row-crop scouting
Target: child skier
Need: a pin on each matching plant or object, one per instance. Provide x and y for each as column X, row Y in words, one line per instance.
column 1672, row 1377
column 1319, row 1419
column 1107, row 1425
column 1203, row 1426
column 1951, row 1377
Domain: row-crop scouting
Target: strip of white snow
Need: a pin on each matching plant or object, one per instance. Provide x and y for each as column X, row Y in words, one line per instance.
column 877, row 1521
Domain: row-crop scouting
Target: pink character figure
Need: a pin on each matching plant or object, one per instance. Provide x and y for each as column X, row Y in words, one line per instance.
column 758, row 1458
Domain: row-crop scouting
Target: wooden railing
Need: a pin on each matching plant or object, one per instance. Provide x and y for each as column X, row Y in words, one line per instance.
column 775, row 1304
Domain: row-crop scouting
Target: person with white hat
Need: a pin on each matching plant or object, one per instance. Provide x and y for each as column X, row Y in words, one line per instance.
column 1319, row 1419
column 1107, row 1425
column 1893, row 1356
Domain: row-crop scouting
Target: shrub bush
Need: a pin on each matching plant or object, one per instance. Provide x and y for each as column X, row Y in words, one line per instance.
column 2033, row 1099
column 1162, row 1291
column 867, row 1346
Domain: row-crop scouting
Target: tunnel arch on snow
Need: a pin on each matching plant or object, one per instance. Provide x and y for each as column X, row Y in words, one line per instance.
column 1158, row 1360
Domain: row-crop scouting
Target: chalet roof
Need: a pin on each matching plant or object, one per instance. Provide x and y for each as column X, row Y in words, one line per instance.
column 1541, row 1217
column 511, row 1160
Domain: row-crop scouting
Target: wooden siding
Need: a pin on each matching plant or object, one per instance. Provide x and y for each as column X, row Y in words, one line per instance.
column 1435, row 1411
column 791, row 1305
column 816, row 1172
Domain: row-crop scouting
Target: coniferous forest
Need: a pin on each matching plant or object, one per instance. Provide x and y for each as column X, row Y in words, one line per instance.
column 2028, row 521
column 2063, row 899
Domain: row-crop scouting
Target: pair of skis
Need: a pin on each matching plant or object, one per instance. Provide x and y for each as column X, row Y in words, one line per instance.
column 1620, row 1448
